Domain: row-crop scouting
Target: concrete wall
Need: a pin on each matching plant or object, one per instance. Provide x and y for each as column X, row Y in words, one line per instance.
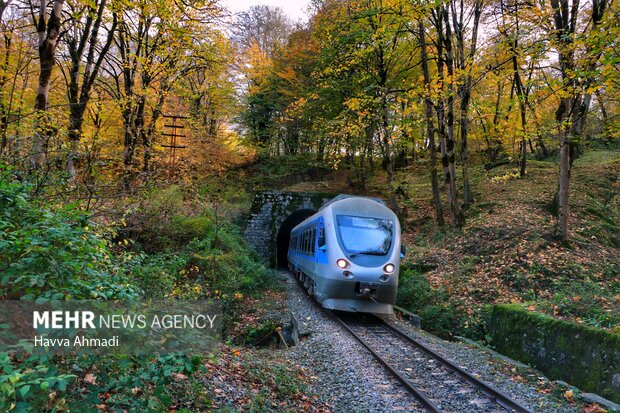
column 586, row 357
column 269, row 210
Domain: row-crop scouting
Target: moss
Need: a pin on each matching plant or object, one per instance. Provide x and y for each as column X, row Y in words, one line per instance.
column 584, row 356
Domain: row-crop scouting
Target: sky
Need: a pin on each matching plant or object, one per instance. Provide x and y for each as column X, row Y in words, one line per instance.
column 296, row 9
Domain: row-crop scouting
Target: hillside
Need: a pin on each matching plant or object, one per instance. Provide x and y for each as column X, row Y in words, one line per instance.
column 507, row 251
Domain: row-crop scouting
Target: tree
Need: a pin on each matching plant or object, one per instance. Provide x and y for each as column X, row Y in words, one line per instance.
column 83, row 37
column 445, row 109
column 578, row 77
column 209, row 87
column 430, row 126
column 264, row 27
column 48, row 31
column 464, row 17
column 261, row 35
column 155, row 48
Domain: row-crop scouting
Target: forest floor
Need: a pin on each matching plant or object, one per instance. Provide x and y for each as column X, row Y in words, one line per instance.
column 507, row 251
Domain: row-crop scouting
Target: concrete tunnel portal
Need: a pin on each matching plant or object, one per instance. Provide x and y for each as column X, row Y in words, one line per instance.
column 272, row 217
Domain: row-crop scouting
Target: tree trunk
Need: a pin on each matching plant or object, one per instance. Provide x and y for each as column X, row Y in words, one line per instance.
column 465, row 66
column 430, row 127
column 48, row 37
column 4, row 111
column 564, row 183
column 574, row 107
column 388, row 153
column 79, row 95
column 468, row 197
column 456, row 214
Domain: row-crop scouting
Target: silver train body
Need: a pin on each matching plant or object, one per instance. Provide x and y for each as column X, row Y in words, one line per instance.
column 348, row 255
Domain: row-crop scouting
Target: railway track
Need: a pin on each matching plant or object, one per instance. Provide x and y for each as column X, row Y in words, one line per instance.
column 437, row 383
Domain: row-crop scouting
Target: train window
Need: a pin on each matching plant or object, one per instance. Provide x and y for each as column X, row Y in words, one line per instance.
column 313, row 240
column 305, row 249
column 321, row 237
column 365, row 235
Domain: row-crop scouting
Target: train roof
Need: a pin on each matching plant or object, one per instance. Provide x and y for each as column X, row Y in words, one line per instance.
column 345, row 196
column 340, row 198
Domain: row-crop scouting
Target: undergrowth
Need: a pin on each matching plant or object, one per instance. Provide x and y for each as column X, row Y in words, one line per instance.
column 56, row 252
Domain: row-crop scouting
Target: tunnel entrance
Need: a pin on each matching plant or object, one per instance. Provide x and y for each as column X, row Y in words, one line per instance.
column 284, row 234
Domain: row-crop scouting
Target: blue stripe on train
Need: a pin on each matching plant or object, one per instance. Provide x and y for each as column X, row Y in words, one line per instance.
column 319, row 256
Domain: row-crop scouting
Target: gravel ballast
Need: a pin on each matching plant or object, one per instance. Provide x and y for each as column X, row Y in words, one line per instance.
column 348, row 379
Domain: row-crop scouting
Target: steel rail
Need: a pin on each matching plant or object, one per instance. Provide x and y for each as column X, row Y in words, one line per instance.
column 426, row 403
column 494, row 394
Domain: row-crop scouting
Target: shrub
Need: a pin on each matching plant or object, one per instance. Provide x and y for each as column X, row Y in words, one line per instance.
column 25, row 387
column 53, row 254
column 165, row 220
column 440, row 315
column 157, row 274
column 414, row 291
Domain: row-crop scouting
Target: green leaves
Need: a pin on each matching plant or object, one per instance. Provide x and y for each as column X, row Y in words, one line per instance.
column 26, row 385
column 51, row 254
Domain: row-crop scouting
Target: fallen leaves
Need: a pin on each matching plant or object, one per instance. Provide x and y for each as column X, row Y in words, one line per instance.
column 90, row 378
column 593, row 408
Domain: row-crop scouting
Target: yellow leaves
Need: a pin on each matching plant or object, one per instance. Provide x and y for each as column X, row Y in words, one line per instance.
column 515, row 174
column 569, row 395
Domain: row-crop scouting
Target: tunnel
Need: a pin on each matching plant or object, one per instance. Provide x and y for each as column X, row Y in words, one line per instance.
column 284, row 233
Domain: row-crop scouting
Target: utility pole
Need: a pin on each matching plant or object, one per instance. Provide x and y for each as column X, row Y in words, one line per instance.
column 173, row 141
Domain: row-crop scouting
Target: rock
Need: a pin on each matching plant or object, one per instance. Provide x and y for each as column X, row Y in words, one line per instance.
column 299, row 329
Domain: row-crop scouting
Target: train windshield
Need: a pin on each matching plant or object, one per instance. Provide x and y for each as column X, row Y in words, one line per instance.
column 363, row 235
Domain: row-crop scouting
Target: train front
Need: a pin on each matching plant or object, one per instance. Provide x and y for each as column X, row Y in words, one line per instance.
column 364, row 257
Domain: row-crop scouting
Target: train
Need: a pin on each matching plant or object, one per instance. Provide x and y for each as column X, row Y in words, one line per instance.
column 347, row 255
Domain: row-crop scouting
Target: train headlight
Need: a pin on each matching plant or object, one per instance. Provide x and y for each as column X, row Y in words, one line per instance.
column 389, row 268
column 342, row 263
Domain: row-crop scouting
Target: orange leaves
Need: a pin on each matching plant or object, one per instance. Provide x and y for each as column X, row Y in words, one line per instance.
column 593, row 408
